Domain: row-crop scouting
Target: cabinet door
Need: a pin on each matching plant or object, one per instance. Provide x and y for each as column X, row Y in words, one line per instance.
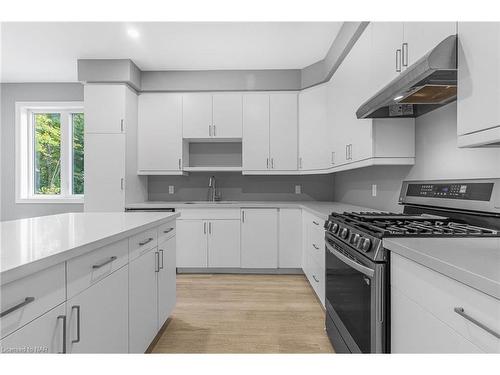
column 143, row 299
column 100, row 316
column 313, row 125
column 191, row 243
column 259, row 238
column 255, row 132
column 159, row 144
column 386, row 39
column 104, row 108
column 227, row 116
column 197, row 115
column 166, row 280
column 290, row 238
column 415, row 330
column 224, row 243
column 45, row 334
column 283, row 131
column 478, row 76
column 421, row 37
column 104, row 183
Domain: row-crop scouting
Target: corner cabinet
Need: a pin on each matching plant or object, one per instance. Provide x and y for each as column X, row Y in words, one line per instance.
column 478, row 112
column 159, row 135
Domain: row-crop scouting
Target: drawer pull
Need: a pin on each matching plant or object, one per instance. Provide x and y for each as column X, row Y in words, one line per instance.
column 17, row 307
column 160, row 267
column 96, row 266
column 168, row 230
column 315, row 279
column 460, row 311
column 315, row 246
column 146, row 241
column 77, row 308
column 63, row 317
column 315, row 222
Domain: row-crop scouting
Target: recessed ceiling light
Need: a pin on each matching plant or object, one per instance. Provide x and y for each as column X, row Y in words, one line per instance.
column 133, row 33
column 398, row 97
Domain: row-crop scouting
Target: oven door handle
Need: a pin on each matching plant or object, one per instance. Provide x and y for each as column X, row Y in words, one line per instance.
column 359, row 267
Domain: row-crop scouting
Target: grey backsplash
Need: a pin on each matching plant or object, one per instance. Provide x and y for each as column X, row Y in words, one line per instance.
column 235, row 186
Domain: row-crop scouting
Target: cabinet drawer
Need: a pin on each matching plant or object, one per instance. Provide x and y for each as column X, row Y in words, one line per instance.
column 166, row 231
column 440, row 295
column 88, row 269
column 210, row 214
column 316, row 276
column 141, row 242
column 33, row 296
column 317, row 236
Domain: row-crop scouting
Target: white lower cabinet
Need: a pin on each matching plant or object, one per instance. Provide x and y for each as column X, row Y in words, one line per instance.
column 191, row 243
column 224, row 243
column 166, row 280
column 290, row 238
column 143, row 300
column 313, row 253
column 97, row 318
column 259, row 238
column 45, row 334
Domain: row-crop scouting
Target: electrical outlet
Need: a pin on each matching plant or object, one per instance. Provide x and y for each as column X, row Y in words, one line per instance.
column 374, row 190
column 171, row 189
column 298, row 189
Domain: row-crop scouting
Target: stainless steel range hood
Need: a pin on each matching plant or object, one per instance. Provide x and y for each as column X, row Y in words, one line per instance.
column 429, row 83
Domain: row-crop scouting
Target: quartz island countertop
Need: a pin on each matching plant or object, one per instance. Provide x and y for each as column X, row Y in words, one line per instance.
column 32, row 244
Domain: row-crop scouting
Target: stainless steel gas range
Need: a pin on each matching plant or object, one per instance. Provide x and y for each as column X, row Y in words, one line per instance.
column 357, row 265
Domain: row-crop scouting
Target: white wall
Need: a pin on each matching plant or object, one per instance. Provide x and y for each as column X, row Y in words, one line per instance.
column 437, row 157
column 10, row 93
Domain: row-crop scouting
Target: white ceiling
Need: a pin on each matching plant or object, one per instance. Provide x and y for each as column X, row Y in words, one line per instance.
column 47, row 52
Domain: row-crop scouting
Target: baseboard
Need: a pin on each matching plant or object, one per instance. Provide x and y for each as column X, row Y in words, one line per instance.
column 257, row 271
column 158, row 335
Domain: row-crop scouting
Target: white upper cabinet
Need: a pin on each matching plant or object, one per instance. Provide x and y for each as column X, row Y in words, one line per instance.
column 313, row 128
column 478, row 110
column 227, row 116
column 197, row 115
column 255, row 150
column 104, row 108
column 160, row 133
column 269, row 133
column 207, row 115
column 421, row 37
column 283, row 131
column 387, row 42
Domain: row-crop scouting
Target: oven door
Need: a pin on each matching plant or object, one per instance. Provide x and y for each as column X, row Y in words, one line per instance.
column 354, row 291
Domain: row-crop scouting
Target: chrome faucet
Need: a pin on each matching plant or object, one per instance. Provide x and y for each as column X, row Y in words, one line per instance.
column 213, row 195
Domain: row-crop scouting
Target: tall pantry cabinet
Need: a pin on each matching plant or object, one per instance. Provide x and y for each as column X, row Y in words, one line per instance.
column 111, row 178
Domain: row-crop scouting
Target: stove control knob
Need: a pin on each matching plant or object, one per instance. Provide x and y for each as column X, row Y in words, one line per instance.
column 355, row 239
column 344, row 233
column 334, row 228
column 328, row 225
column 366, row 244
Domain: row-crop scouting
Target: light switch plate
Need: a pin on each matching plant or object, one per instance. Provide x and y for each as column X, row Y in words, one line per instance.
column 374, row 190
column 171, row 189
column 298, row 189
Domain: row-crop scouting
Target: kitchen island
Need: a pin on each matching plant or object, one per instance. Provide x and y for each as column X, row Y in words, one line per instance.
column 86, row 282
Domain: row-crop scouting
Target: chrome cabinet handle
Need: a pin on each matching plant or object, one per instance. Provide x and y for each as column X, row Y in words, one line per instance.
column 215, row 131
column 180, row 162
column 205, row 227
column 315, row 279
column 315, row 246
column 122, row 183
column 350, row 151
column 161, row 267
column 398, row 60
column 267, row 163
column 333, row 157
column 168, row 230
column 272, row 163
column 242, row 216
column 26, row 301
column 96, row 266
column 460, row 311
column 157, row 261
column 404, row 49
column 63, row 317
column 146, row 241
column 121, row 125
column 315, row 222
column 300, row 163
column 346, row 152
column 77, row 308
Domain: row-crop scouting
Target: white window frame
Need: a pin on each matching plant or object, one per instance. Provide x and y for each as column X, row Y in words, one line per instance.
column 25, row 151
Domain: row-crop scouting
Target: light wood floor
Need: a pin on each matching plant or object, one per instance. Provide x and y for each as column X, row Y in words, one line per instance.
column 245, row 314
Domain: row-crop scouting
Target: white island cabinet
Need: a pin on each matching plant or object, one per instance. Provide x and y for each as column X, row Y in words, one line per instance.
column 82, row 293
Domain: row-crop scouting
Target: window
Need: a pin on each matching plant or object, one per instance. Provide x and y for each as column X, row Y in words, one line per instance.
column 50, row 152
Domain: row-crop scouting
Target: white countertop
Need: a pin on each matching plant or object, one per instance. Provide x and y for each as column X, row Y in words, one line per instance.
column 30, row 245
column 472, row 261
column 321, row 209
